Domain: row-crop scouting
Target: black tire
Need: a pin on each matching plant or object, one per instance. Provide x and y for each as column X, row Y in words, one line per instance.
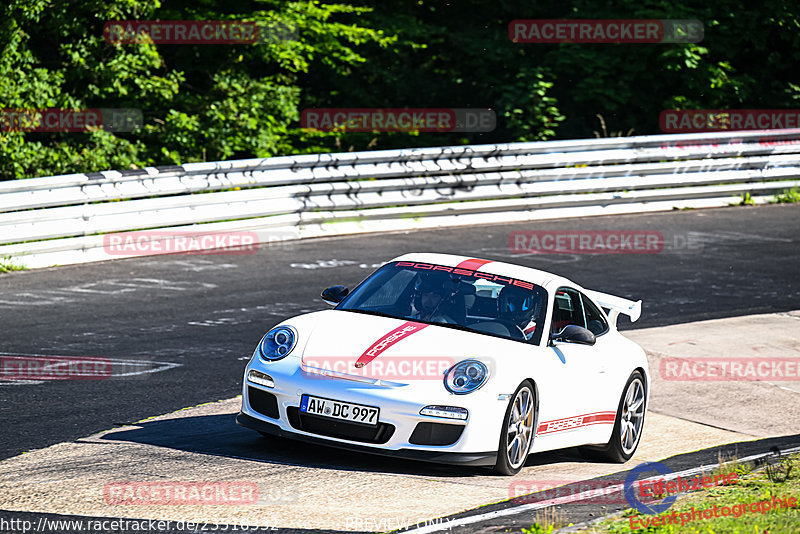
column 509, row 466
column 614, row 451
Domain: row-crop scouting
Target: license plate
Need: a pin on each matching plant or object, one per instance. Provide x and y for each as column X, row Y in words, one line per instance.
column 345, row 411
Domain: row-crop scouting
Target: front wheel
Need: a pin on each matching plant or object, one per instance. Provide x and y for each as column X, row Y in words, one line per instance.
column 517, row 434
column 627, row 426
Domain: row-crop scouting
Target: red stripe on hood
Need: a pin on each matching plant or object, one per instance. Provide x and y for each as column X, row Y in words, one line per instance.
column 389, row 339
column 473, row 264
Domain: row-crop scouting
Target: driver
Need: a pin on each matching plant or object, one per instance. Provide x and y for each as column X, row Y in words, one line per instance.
column 430, row 296
column 516, row 305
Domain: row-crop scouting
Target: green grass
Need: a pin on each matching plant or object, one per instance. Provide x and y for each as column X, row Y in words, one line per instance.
column 747, row 200
column 789, row 196
column 7, row 265
column 751, row 487
column 546, row 522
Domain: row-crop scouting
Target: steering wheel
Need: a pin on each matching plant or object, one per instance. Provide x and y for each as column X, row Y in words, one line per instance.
column 515, row 331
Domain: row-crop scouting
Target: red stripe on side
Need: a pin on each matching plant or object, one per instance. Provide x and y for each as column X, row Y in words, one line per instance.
column 579, row 421
column 387, row 340
column 472, row 264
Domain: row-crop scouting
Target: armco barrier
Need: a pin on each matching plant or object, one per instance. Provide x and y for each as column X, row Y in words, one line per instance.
column 62, row 219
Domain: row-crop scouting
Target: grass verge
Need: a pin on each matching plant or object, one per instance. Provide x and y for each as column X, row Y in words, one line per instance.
column 781, row 482
column 789, row 196
column 7, row 265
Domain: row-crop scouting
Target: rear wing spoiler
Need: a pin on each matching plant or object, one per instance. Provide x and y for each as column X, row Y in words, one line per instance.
column 617, row 305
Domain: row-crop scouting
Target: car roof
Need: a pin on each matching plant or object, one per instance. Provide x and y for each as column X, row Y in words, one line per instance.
column 527, row 274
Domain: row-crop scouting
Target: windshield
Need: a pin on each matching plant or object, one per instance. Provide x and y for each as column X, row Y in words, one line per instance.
column 459, row 298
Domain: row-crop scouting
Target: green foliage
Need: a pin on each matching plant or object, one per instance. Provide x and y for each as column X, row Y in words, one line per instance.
column 200, row 102
column 8, row 264
column 536, row 528
column 789, row 196
column 215, row 102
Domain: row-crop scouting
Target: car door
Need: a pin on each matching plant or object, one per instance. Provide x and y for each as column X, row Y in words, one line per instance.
column 583, row 413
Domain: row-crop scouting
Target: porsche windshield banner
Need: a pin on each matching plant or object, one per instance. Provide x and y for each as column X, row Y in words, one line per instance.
column 466, row 272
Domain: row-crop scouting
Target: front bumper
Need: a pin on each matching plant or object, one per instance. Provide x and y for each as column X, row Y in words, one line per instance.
column 402, row 432
column 483, row 459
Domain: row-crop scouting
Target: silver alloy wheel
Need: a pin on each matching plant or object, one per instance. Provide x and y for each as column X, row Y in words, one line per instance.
column 632, row 416
column 520, row 428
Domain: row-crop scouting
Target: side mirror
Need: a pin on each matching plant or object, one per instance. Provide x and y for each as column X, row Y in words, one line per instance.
column 574, row 334
column 334, row 294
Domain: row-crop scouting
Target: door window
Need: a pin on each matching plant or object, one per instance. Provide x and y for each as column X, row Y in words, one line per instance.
column 595, row 320
column 567, row 310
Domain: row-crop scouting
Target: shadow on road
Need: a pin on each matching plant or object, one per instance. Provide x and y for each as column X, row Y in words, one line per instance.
column 219, row 435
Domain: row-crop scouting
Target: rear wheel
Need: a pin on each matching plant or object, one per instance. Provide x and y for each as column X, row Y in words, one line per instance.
column 627, row 426
column 517, row 434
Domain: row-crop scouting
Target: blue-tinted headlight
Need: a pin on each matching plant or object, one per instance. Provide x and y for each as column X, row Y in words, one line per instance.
column 278, row 343
column 465, row 377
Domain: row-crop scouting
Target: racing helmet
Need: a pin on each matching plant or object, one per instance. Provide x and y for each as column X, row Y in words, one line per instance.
column 442, row 286
column 515, row 304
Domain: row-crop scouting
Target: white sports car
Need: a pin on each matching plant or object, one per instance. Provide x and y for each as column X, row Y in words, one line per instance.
column 455, row 360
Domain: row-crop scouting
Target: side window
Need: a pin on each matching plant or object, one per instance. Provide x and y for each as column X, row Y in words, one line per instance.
column 567, row 310
column 595, row 321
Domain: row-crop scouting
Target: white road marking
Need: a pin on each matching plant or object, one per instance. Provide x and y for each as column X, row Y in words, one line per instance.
column 197, row 265
column 739, row 236
column 215, row 322
column 4, row 382
column 323, row 264
column 144, row 366
column 579, row 497
column 39, row 298
column 113, row 286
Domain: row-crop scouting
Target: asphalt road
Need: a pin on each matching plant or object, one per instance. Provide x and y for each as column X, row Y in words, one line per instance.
column 195, row 320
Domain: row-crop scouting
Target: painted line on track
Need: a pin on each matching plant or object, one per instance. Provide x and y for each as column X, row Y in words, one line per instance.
column 119, row 367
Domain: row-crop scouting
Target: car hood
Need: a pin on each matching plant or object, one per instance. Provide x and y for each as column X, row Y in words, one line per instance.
column 373, row 348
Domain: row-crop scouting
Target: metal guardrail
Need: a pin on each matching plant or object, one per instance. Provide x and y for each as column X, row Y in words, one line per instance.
column 62, row 219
